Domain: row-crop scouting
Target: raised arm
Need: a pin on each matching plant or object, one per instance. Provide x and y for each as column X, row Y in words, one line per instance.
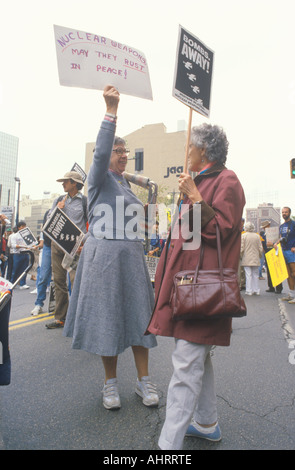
column 104, row 144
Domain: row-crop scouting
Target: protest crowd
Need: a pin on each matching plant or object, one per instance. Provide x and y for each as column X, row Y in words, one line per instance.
column 138, row 310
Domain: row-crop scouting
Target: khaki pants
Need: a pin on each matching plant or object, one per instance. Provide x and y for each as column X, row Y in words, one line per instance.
column 60, row 283
column 191, row 393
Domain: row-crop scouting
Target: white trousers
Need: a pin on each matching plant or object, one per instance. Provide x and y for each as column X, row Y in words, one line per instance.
column 252, row 279
column 191, row 393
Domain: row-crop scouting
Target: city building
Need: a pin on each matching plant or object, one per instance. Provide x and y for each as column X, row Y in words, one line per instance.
column 8, row 166
column 33, row 210
column 263, row 212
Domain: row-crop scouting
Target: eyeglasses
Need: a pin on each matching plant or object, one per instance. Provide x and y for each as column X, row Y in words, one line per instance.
column 121, row 151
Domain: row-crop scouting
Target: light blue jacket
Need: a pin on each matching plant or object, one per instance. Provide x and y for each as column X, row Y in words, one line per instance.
column 115, row 213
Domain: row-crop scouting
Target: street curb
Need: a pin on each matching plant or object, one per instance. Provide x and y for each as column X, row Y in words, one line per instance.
column 289, row 331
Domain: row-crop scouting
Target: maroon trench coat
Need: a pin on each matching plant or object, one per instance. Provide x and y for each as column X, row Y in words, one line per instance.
column 223, row 202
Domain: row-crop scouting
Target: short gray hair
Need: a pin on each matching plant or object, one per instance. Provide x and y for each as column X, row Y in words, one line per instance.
column 213, row 139
column 119, row 141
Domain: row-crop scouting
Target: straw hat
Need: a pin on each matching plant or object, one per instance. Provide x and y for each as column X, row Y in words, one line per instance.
column 72, row 175
column 265, row 223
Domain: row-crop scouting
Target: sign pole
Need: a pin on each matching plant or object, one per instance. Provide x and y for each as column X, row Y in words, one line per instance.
column 188, row 138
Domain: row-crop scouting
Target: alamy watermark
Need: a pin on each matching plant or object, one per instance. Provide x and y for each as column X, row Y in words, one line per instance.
column 134, row 222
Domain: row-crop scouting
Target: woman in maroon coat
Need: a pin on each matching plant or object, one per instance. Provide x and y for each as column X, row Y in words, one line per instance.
column 191, row 399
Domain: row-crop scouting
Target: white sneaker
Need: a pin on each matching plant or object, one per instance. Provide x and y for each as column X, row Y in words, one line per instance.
column 111, row 399
column 147, row 391
column 33, row 291
column 287, row 298
column 37, row 310
column 24, row 287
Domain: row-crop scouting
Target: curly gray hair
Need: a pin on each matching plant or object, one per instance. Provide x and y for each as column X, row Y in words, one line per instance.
column 213, row 139
column 249, row 227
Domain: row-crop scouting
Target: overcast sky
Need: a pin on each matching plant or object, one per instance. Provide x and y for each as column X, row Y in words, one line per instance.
column 253, row 89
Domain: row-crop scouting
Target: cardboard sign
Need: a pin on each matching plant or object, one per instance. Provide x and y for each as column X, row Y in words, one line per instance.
column 8, row 212
column 79, row 170
column 4, row 285
column 152, row 263
column 88, row 60
column 28, row 237
column 277, row 266
column 193, row 72
column 272, row 234
column 61, row 230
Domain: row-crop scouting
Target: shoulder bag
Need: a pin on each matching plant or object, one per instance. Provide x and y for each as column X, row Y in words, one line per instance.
column 207, row 294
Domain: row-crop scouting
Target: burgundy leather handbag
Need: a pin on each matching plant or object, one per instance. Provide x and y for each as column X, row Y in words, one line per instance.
column 207, row 294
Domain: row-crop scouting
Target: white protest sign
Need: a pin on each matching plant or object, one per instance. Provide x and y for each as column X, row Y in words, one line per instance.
column 88, row 60
column 152, row 264
column 8, row 212
column 272, row 234
column 5, row 285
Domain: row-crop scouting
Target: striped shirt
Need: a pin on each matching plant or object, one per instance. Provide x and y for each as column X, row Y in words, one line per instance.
column 17, row 239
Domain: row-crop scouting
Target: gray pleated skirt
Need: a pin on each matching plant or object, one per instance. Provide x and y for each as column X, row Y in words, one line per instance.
column 112, row 299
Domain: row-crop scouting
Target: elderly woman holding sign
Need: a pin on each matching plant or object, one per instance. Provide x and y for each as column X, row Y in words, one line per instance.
column 191, row 401
column 112, row 299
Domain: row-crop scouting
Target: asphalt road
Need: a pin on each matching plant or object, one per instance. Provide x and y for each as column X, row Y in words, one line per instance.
column 54, row 400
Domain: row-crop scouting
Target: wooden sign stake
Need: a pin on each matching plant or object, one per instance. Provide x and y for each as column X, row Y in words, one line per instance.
column 188, row 138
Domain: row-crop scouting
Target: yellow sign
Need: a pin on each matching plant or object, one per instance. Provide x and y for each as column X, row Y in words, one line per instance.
column 276, row 265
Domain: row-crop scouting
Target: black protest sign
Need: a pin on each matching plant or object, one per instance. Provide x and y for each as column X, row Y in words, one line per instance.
column 61, row 230
column 193, row 72
column 28, row 237
column 79, row 170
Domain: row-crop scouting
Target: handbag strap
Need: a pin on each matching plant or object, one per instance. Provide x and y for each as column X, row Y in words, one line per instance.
column 220, row 265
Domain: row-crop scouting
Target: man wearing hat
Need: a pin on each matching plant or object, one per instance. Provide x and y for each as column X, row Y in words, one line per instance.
column 267, row 246
column 74, row 205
